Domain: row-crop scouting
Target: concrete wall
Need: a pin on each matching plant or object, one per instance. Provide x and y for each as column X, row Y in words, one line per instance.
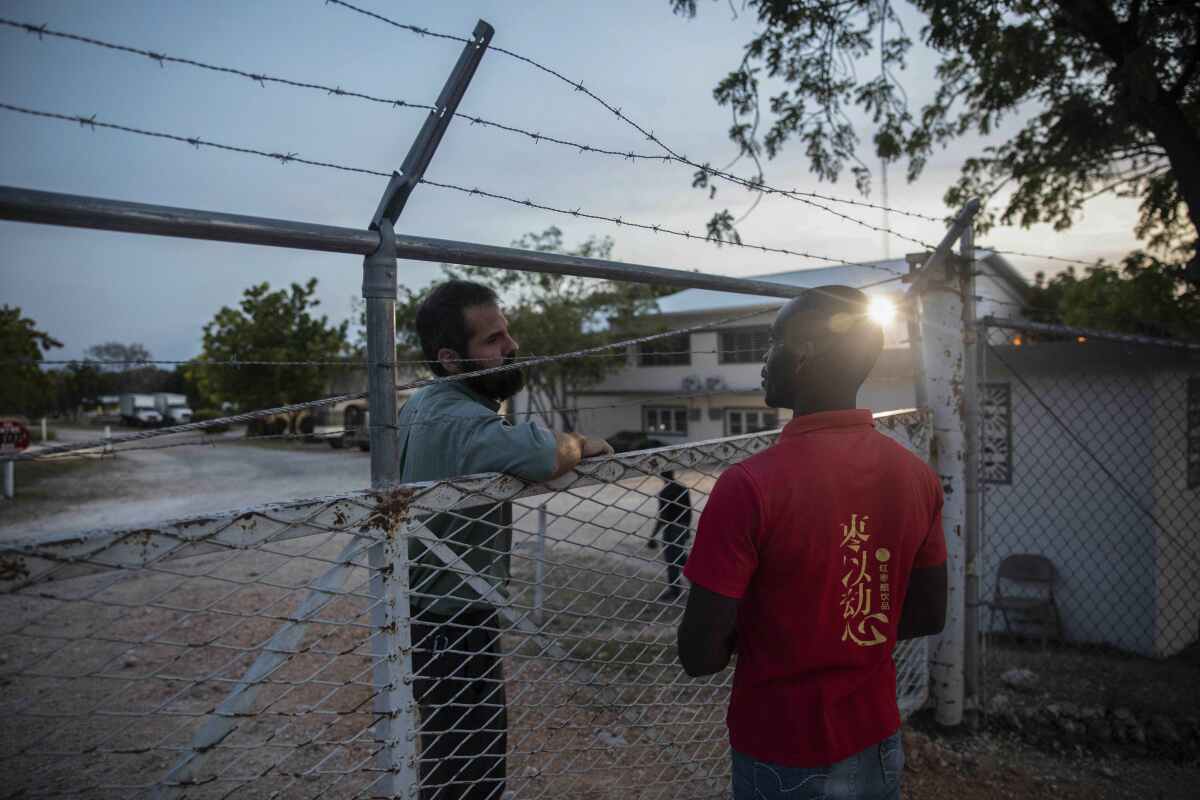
column 1080, row 512
column 1177, row 510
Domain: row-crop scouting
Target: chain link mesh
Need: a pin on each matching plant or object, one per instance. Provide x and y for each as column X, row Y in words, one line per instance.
column 1090, row 481
column 240, row 654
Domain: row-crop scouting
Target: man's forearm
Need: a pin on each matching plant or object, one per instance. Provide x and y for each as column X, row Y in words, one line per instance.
column 568, row 452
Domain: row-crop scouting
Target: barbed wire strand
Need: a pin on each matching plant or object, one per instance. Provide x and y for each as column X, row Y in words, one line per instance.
column 1092, row 263
column 329, row 401
column 291, row 157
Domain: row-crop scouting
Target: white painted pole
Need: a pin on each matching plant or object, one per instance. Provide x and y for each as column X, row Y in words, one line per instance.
column 44, row 429
column 941, row 350
column 107, row 439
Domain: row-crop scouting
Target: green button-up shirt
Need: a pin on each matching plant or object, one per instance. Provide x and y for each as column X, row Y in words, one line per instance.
column 447, row 430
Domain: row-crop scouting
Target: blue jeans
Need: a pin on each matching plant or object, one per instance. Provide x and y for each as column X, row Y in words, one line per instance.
column 873, row 774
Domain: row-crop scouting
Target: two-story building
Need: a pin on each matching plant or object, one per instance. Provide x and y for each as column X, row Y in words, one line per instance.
column 707, row 383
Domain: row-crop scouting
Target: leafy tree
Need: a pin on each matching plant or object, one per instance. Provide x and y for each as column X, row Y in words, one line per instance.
column 269, row 326
column 550, row 314
column 1111, row 89
column 26, row 389
column 1145, row 296
column 121, row 357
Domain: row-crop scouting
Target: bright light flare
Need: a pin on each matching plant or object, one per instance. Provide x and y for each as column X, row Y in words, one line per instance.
column 881, row 311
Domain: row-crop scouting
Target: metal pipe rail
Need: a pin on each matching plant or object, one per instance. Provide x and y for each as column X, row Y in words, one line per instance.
column 79, row 211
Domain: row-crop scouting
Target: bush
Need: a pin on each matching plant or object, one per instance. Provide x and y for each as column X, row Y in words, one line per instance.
column 205, row 414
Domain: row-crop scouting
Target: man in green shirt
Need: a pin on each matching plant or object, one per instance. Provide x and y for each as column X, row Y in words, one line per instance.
column 448, row 430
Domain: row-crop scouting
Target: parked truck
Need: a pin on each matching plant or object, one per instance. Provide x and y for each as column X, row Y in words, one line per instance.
column 173, row 408
column 139, row 410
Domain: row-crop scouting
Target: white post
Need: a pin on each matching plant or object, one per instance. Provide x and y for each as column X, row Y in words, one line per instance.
column 970, row 418
column 9, row 480
column 44, row 429
column 943, row 358
column 539, row 567
column 107, row 440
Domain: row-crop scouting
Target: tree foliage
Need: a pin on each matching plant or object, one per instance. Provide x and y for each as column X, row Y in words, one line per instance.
column 550, row 314
column 25, row 389
column 1144, row 296
column 269, row 326
column 1109, row 91
column 117, row 356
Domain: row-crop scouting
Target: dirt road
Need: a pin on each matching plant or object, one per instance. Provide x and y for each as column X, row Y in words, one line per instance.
column 143, row 486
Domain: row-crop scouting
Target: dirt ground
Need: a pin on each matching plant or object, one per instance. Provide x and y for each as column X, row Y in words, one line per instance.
column 105, row 680
column 998, row 766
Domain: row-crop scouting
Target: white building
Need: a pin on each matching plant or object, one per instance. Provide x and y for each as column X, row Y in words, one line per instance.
column 707, row 384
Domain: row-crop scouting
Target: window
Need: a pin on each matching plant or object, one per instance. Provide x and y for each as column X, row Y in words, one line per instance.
column 743, row 345
column 665, row 419
column 749, row 420
column 1193, row 433
column 671, row 351
column 995, row 439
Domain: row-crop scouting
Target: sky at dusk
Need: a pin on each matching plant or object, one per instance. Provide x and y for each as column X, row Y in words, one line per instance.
column 86, row 287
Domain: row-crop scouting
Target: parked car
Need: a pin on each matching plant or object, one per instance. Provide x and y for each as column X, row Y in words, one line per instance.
column 624, row 441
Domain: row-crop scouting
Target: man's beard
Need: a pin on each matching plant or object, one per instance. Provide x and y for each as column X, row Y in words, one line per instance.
column 779, row 384
column 499, row 385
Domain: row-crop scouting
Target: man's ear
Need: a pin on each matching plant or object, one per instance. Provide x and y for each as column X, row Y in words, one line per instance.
column 450, row 360
column 805, row 351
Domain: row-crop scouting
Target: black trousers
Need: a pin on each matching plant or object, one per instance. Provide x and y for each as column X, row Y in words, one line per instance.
column 459, row 688
column 675, row 547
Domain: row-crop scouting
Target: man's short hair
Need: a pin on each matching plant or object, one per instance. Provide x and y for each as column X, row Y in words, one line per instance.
column 837, row 315
column 442, row 318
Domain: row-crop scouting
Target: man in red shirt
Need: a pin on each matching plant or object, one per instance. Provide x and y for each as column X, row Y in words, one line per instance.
column 812, row 559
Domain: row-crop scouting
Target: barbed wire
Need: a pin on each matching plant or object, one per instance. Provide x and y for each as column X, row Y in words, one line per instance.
column 618, row 221
column 649, row 135
column 1092, row 263
column 194, row 141
column 291, row 157
column 163, row 59
column 330, row 401
column 262, row 79
column 756, row 186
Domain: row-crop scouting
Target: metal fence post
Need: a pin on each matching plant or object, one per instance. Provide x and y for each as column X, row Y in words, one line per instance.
column 396, row 730
column 391, row 643
column 939, row 302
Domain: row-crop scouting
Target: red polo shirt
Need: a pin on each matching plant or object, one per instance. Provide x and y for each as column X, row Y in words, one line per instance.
column 816, row 536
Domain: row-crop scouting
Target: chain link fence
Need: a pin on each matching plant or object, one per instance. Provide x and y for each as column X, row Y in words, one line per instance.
column 1090, row 483
column 262, row 652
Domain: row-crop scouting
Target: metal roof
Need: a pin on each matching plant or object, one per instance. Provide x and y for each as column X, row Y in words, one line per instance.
column 693, row 300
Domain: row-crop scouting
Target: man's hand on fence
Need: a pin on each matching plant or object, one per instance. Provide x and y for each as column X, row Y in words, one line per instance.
column 594, row 446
